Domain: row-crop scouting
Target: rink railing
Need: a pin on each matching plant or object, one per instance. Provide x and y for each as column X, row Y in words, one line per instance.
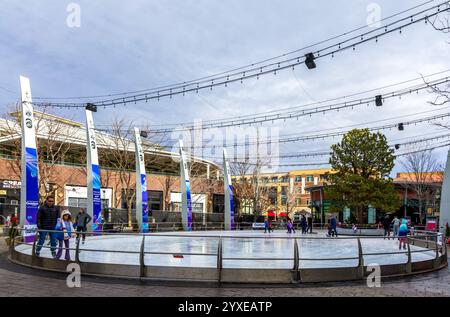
column 429, row 241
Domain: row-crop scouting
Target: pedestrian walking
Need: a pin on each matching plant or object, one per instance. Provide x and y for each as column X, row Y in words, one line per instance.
column 81, row 222
column 47, row 217
column 64, row 224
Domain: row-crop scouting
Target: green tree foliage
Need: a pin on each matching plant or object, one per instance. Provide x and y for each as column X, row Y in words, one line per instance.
column 362, row 162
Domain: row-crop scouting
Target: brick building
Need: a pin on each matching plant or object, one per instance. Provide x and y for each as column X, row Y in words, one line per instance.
column 62, row 173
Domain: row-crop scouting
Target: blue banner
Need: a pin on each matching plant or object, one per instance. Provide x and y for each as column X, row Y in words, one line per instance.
column 231, row 208
column 144, row 203
column 189, row 205
column 97, row 199
column 32, row 186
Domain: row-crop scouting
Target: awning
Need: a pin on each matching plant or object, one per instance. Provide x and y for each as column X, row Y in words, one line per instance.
column 271, row 214
column 282, row 214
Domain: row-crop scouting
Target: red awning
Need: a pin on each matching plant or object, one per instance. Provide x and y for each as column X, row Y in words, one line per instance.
column 270, row 214
column 282, row 214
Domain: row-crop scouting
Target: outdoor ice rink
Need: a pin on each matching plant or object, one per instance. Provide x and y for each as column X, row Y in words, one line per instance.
column 275, row 250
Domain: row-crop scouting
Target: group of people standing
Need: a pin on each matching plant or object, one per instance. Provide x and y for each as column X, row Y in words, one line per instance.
column 60, row 228
column 401, row 229
column 305, row 224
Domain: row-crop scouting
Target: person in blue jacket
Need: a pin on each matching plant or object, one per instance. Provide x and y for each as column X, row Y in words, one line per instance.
column 333, row 224
column 402, row 234
column 64, row 225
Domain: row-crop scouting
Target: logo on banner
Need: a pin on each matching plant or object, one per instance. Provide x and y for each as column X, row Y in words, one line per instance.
column 29, row 230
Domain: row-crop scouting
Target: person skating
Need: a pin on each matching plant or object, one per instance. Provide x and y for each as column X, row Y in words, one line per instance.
column 310, row 224
column 303, row 224
column 64, row 224
column 266, row 225
column 47, row 216
column 333, row 224
column 289, row 226
column 402, row 234
column 81, row 222
column 387, row 227
column 396, row 226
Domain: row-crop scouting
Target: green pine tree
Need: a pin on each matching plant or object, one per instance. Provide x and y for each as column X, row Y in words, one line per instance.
column 362, row 162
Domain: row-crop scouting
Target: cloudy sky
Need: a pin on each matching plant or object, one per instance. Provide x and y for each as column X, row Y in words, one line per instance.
column 126, row 46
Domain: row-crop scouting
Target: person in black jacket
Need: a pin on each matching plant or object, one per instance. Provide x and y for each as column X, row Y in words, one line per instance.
column 47, row 216
column 81, row 221
column 387, row 227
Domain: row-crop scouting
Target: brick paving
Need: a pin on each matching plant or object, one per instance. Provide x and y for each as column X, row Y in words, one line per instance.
column 21, row 281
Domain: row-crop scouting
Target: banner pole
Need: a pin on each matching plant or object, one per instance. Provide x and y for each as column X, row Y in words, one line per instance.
column 29, row 194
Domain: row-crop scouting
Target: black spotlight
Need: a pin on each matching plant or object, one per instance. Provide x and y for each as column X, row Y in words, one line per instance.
column 144, row 134
column 91, row 107
column 401, row 127
column 379, row 100
column 309, row 61
column 397, row 146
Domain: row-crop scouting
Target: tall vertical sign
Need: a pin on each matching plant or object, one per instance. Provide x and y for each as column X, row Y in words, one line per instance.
column 29, row 194
column 444, row 215
column 228, row 191
column 186, row 202
column 141, row 184
column 94, row 201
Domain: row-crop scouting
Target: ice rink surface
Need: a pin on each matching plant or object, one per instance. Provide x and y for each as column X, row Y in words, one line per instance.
column 276, row 250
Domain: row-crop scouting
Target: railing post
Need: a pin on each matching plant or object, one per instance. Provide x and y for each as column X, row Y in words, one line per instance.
column 33, row 249
column 77, row 249
column 426, row 239
column 360, row 260
column 141, row 257
column 409, row 263
column 219, row 259
column 296, row 262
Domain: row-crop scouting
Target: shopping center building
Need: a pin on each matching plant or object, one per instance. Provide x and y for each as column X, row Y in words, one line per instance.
column 62, row 169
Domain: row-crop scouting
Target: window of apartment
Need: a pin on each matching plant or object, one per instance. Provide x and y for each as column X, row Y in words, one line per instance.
column 197, row 207
column 284, row 195
column 273, row 196
column 247, row 206
column 82, row 202
column 298, row 179
column 274, row 179
column 298, row 201
column 310, row 178
column 285, row 179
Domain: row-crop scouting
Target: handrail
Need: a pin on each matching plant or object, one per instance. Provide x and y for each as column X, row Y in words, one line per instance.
column 262, row 236
column 219, row 254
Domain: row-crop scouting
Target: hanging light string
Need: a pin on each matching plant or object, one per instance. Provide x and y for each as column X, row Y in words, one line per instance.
column 265, row 69
column 427, row 149
column 294, row 113
column 328, row 152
